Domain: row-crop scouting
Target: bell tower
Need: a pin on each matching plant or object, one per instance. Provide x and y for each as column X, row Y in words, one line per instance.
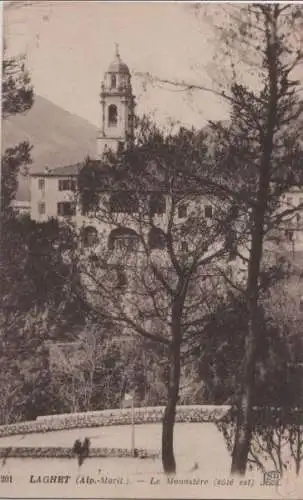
column 117, row 108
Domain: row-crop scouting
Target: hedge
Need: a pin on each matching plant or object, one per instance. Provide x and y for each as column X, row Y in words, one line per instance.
column 197, row 413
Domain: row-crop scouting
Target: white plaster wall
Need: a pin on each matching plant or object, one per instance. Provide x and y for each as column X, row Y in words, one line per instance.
column 50, row 195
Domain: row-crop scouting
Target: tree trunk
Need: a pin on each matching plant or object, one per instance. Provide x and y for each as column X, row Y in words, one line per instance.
column 244, row 415
column 245, row 410
column 298, row 454
column 168, row 457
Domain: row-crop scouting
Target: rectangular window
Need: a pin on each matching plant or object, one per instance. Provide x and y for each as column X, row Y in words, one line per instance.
column 182, row 211
column 208, row 211
column 66, row 208
column 67, row 185
column 41, row 184
column 121, row 277
column 184, row 246
column 157, row 204
column 41, row 208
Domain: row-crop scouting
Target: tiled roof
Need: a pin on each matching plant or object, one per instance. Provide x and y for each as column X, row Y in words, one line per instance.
column 68, row 170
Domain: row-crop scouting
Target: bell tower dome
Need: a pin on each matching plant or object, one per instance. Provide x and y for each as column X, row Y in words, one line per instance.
column 117, row 108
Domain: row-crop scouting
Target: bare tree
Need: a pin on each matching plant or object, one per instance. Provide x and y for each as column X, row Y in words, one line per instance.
column 73, row 366
column 155, row 266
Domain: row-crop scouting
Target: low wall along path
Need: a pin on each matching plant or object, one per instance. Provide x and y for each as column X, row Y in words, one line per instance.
column 195, row 413
column 87, row 420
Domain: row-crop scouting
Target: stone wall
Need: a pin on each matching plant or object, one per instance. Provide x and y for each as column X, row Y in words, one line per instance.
column 197, row 413
column 67, row 452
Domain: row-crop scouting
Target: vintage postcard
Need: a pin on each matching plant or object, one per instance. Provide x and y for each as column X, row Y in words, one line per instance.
column 151, row 250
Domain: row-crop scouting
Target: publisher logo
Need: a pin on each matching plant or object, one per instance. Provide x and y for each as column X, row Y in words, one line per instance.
column 271, row 478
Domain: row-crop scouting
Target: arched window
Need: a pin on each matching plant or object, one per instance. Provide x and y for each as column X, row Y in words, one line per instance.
column 89, row 236
column 123, row 239
column 157, row 204
column 112, row 115
column 156, row 238
column 124, row 202
column 113, row 81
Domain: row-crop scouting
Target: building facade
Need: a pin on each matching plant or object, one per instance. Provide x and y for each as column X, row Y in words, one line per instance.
column 54, row 189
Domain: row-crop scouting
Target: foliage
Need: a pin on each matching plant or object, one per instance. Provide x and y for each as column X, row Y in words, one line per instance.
column 218, row 351
column 38, row 303
column 33, row 264
column 276, row 442
column 89, row 183
column 12, row 160
column 17, row 97
column 17, row 91
column 275, row 445
column 96, row 369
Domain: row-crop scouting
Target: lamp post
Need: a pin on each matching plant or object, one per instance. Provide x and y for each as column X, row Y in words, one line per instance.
column 128, row 401
column 133, row 447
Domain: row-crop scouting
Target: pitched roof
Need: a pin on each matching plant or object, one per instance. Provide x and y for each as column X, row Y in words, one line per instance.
column 68, row 170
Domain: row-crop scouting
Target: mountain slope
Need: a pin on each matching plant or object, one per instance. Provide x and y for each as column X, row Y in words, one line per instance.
column 58, row 138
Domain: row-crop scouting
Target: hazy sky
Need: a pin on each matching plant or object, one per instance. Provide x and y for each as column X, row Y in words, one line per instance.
column 69, row 46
